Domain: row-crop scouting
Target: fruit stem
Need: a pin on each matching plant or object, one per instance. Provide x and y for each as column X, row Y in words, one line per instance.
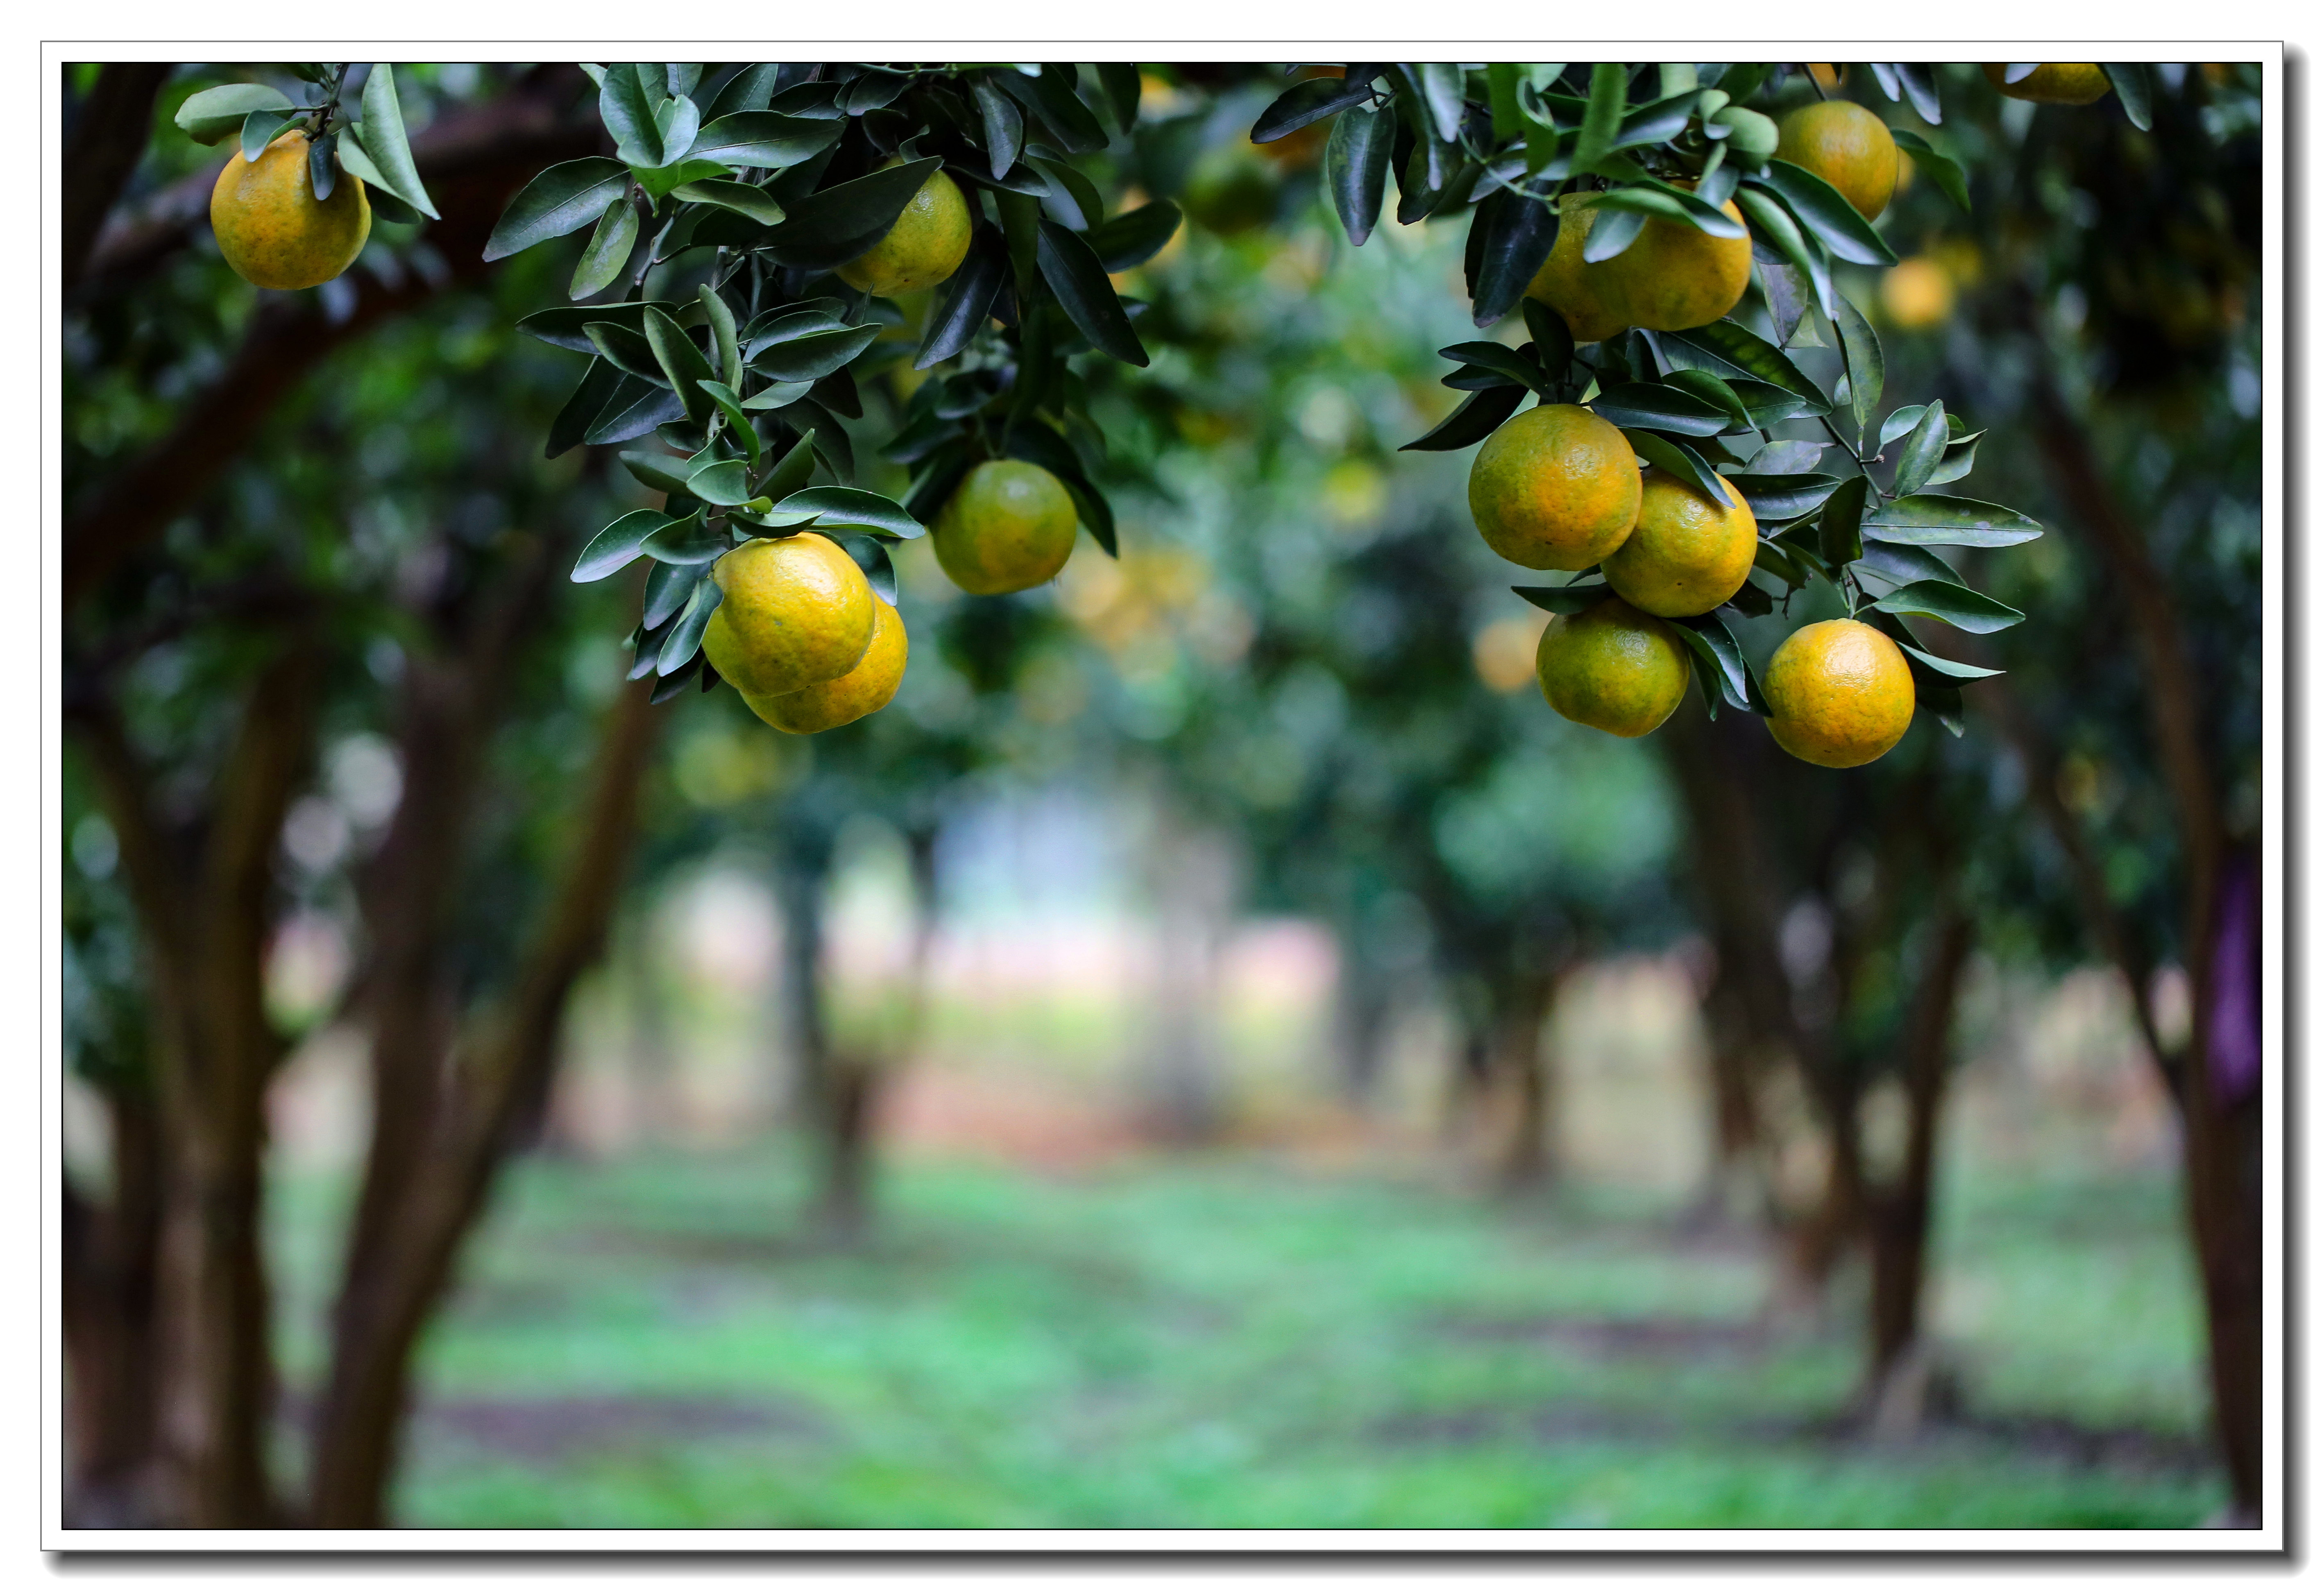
column 1812, row 82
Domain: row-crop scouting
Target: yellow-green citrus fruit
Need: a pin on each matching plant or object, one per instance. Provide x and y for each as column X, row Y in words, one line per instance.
column 1674, row 276
column 269, row 227
column 863, row 690
column 1612, row 668
column 796, row 611
column 1555, row 488
column 2056, row 83
column 1688, row 553
column 1230, row 189
column 1571, row 285
column 1841, row 693
column 925, row 245
column 1846, row 145
column 1008, row 525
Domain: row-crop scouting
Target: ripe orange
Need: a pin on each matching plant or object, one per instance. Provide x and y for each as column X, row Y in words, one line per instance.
column 925, row 245
column 1612, row 668
column 796, row 611
column 269, row 225
column 1688, row 553
column 1674, row 276
column 1571, row 285
column 1555, row 488
column 1842, row 691
column 1008, row 526
column 1846, row 145
column 864, row 689
column 2056, row 83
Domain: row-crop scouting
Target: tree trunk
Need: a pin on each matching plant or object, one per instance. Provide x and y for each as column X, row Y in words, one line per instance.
column 499, row 1061
column 111, row 1253
column 1898, row 1214
column 1518, row 1058
column 109, row 134
column 204, row 902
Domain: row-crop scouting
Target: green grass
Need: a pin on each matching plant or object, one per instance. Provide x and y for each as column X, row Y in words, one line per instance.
column 1232, row 1343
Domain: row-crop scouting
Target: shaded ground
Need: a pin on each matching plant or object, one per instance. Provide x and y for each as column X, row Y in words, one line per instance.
column 1232, row 1343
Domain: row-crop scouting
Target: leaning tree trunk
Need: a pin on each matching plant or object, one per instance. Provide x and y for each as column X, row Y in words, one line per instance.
column 204, row 903
column 499, row 1062
column 111, row 1255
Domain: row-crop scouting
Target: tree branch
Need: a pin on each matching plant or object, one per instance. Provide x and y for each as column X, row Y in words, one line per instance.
column 110, row 130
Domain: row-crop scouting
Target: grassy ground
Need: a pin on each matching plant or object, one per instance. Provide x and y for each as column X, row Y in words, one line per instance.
column 1233, row 1343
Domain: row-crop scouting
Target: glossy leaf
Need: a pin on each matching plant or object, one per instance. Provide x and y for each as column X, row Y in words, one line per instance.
column 1074, row 275
column 2135, row 89
column 847, row 505
column 221, row 111
column 1492, row 357
column 1773, row 224
column 628, row 350
column 1709, row 638
column 1923, row 448
column 1095, row 513
column 1840, row 528
column 1675, row 458
column 385, row 143
column 1004, row 126
column 1135, row 237
column 1517, row 233
column 260, row 128
column 1579, row 598
column 1670, row 204
column 748, row 89
column 1776, row 498
column 1826, row 212
column 684, row 638
column 1957, row 605
column 1659, row 408
column 723, row 483
column 1601, row 123
column 1054, row 104
column 660, row 471
column 1712, row 389
column 1477, row 417
column 618, row 545
column 967, row 299
column 1951, row 667
column 1867, row 368
column 1788, row 458
column 792, row 471
column 870, row 555
column 681, row 362
column 572, row 424
column 563, row 200
column 1072, row 199
column 322, row 176
column 1901, row 564
column 1552, row 339
column 742, row 197
column 1942, row 169
column 608, row 251
column 1612, row 233
column 1356, row 159
column 564, row 326
column 1308, row 102
column 831, row 227
column 627, row 109
column 762, row 138
column 1122, row 86
column 1930, row 520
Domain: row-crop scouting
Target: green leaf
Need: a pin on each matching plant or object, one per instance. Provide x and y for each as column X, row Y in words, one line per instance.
column 563, row 200
column 573, row 421
column 1931, row 519
column 1121, row 81
column 1951, row 667
column 383, row 140
column 1096, row 514
column 1712, row 389
column 1942, row 169
column 1072, row 199
column 749, row 89
column 1573, row 599
column 1005, row 124
column 1601, row 124
column 1840, row 531
column 1659, row 408
column 1868, row 368
column 742, row 197
column 322, row 176
column 1788, row 458
column 1771, row 222
column 1781, row 562
column 1708, row 637
column 738, row 418
column 1308, row 102
column 1826, row 212
column 684, row 638
column 1051, row 98
column 814, row 356
column 1519, row 232
column 260, row 128
column 1479, row 414
column 608, row 251
column 1901, row 564
column 1957, row 605
column 851, row 506
column 2133, row 88
column 627, row 109
column 218, row 112
column 1356, row 159
column 870, row 555
column 689, row 540
column 792, row 471
column 723, row 483
column 721, row 320
column 1675, row 458
column 968, row 298
column 660, row 471
column 681, row 362
column 1900, row 422
column 676, row 120
column 1775, row 499
column 1501, row 96
column 636, row 408
column 618, row 545
column 1072, row 270
column 1923, row 449
column 1658, row 120
column 833, row 227
column 763, row 139
column 563, row 326
column 1611, row 234
column 629, row 350
column 831, row 445
column 1492, row 357
column 1552, row 339
column 1135, row 237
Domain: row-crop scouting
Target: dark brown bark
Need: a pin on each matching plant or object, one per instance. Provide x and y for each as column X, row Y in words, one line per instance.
column 1518, row 1057
column 2220, row 1134
column 498, row 1063
column 204, row 904
column 110, row 130
column 111, row 1256
column 499, row 148
column 1898, row 1212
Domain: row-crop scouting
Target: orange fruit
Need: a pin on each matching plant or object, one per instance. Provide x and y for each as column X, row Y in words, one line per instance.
column 1555, row 488
column 1841, row 693
column 270, row 228
column 1612, row 668
column 925, row 245
column 1571, row 285
column 1008, row 526
column 1846, row 145
column 796, row 611
column 864, row 689
column 2076, row 83
column 1688, row 553
column 1674, row 276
